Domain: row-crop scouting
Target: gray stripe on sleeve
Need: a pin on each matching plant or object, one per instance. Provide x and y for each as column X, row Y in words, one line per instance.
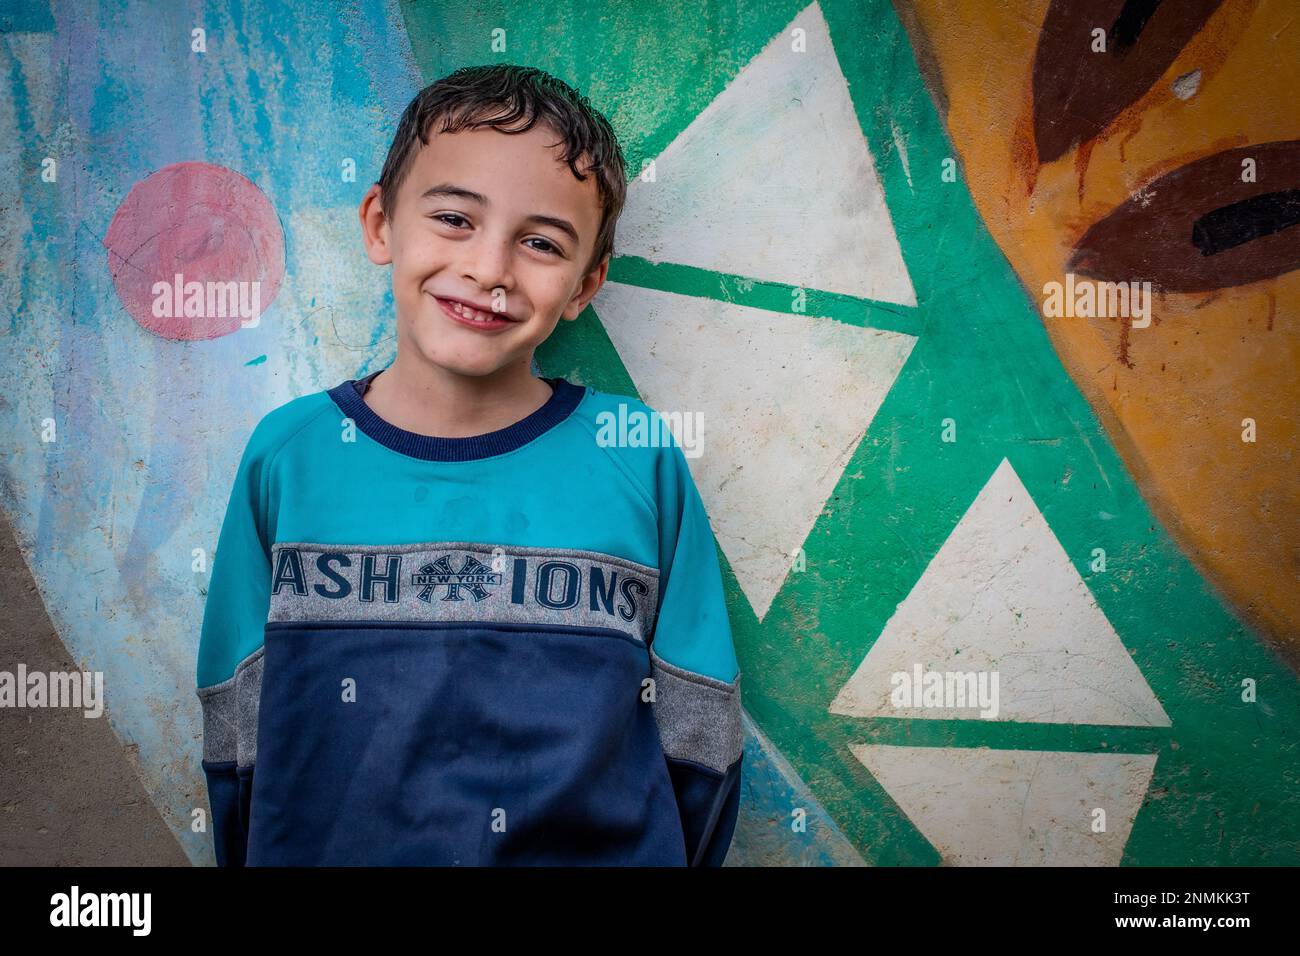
column 230, row 713
column 698, row 716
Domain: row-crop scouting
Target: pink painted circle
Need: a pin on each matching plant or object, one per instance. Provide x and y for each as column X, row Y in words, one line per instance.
column 214, row 230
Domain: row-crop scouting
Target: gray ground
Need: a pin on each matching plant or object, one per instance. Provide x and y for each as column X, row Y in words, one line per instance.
column 68, row 793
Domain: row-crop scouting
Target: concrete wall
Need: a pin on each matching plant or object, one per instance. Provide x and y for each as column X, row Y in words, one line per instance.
column 836, row 254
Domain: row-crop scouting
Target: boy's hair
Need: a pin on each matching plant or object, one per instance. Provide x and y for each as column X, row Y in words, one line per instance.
column 498, row 96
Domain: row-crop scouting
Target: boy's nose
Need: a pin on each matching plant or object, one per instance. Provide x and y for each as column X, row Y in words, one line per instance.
column 488, row 264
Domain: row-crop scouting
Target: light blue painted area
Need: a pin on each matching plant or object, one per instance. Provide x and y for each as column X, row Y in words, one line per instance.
column 780, row 822
column 115, row 514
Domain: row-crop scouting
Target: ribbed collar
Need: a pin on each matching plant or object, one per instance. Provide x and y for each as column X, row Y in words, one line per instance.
column 564, row 399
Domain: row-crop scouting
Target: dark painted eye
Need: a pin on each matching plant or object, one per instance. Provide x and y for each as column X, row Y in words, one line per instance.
column 1078, row 92
column 1253, row 218
column 1201, row 227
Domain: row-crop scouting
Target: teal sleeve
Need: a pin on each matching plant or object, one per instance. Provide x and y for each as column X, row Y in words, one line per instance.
column 230, row 650
column 693, row 663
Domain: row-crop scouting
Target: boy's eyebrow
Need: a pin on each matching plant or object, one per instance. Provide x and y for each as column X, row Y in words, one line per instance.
column 459, row 192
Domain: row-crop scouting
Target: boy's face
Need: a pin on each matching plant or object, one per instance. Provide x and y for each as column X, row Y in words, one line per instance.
column 489, row 250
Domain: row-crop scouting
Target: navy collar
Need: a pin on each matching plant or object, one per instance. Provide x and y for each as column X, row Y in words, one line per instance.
column 564, row 399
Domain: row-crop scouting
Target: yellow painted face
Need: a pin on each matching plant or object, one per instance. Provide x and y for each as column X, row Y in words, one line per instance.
column 1129, row 163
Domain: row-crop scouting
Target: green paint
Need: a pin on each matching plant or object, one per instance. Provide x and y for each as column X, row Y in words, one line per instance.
column 257, row 361
column 772, row 296
column 1225, row 785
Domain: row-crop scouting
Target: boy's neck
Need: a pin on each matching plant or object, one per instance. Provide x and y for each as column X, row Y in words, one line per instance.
column 429, row 400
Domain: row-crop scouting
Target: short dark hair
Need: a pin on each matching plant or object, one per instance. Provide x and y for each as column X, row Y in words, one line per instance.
column 499, row 96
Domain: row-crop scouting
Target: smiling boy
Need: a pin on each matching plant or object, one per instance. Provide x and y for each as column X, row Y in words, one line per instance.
column 447, row 623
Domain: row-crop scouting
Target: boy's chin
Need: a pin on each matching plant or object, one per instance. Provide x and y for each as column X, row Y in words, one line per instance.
column 468, row 365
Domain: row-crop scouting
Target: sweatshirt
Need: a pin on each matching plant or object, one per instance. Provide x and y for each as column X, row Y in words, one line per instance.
column 505, row 649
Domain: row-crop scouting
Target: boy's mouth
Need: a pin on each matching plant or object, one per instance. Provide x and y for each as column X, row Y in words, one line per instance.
column 476, row 318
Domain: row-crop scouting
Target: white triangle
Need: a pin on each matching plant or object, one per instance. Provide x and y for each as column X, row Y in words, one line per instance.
column 774, row 181
column 785, row 400
column 1002, row 596
column 981, row 807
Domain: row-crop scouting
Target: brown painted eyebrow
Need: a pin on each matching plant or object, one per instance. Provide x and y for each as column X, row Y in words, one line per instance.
column 459, row 192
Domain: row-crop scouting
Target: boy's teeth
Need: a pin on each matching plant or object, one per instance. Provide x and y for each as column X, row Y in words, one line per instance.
column 470, row 313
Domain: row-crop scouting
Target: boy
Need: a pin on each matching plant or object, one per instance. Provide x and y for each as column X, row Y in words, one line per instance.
column 503, row 645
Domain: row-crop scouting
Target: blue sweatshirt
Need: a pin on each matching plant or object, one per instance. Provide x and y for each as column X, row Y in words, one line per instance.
column 507, row 649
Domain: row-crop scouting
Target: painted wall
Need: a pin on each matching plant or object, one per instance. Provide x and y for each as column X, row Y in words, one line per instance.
column 1185, row 122
column 835, row 253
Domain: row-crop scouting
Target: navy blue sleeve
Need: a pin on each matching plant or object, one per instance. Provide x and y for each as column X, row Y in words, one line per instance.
column 228, row 796
column 709, row 803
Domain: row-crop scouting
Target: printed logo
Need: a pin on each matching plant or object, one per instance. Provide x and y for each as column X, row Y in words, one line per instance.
column 472, row 577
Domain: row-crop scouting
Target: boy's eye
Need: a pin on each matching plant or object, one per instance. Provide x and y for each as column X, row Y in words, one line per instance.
column 549, row 247
column 444, row 216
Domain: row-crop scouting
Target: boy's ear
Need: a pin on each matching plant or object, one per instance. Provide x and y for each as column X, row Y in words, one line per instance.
column 374, row 227
column 591, row 284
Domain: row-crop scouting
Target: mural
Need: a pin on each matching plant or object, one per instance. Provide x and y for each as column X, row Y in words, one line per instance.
column 843, row 219
column 1170, row 156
